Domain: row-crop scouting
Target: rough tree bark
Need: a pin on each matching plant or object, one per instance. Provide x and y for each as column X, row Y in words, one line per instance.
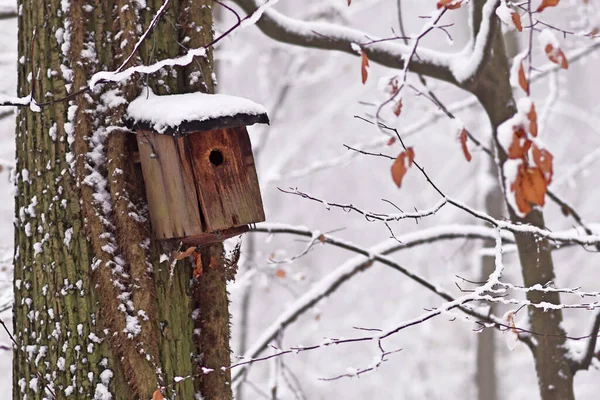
column 96, row 314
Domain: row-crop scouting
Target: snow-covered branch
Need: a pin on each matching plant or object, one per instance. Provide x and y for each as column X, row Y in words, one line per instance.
column 339, row 276
column 332, row 37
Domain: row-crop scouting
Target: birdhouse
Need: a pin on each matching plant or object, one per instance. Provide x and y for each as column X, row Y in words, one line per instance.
column 197, row 163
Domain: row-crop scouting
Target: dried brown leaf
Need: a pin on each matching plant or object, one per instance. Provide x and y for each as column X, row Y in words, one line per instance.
column 188, row 252
column 463, row 141
column 449, row 4
column 401, row 165
column 543, row 160
column 398, row 108
column 547, row 3
column 557, row 56
column 523, row 79
column 516, row 18
column 364, row 66
column 520, row 144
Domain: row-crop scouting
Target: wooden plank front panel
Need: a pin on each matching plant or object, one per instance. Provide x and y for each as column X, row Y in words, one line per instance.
column 229, row 192
column 153, row 180
column 170, row 191
column 180, row 190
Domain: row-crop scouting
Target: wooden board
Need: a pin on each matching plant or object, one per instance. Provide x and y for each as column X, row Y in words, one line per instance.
column 229, row 192
column 170, row 189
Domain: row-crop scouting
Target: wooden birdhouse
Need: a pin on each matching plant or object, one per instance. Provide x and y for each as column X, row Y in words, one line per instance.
column 197, row 164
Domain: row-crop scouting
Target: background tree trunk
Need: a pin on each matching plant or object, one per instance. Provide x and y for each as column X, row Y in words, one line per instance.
column 95, row 311
column 493, row 202
column 492, row 88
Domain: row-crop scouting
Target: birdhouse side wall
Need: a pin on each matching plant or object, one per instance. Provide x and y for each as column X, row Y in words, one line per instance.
column 226, row 178
column 170, row 190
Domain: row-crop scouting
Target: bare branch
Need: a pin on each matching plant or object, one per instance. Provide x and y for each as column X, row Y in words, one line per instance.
column 6, row 114
column 8, row 13
column 590, row 353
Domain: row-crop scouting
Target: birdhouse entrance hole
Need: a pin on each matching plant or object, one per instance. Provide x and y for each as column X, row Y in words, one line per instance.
column 197, row 163
column 216, row 157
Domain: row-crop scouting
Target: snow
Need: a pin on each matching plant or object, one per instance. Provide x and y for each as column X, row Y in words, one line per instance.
column 171, row 110
column 465, row 64
column 132, row 327
column 110, row 76
column 505, row 13
column 102, row 392
column 546, row 37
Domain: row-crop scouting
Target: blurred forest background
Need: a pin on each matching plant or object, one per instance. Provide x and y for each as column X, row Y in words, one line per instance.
column 313, row 98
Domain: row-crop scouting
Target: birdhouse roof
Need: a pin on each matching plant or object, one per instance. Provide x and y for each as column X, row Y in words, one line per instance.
column 179, row 114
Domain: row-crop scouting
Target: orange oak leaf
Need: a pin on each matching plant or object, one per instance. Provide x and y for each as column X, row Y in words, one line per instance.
column 463, row 142
column 198, row 265
column 157, row 395
column 557, row 56
column 532, row 117
column 543, row 160
column 183, row 254
column 534, row 186
column 516, row 18
column 364, row 66
column 398, row 108
column 523, row 79
column 520, row 144
column 530, row 188
column 449, row 4
column 547, row 3
column 401, row 165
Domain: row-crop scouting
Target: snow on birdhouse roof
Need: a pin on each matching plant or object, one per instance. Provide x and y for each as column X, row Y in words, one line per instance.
column 179, row 114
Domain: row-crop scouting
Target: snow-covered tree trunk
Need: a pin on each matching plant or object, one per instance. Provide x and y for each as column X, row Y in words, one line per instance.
column 98, row 313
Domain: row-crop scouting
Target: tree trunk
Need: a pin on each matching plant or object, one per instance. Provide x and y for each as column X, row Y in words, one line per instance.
column 485, row 369
column 96, row 314
column 493, row 89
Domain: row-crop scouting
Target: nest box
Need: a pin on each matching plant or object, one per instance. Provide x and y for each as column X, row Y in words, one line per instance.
column 197, row 164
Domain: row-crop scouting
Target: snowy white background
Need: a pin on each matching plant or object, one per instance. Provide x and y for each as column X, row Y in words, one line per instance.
column 312, row 97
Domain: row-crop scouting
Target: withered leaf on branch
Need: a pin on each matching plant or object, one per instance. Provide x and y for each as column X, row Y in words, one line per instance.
column 547, row 3
column 520, row 144
column 449, row 4
column 463, row 141
column 183, row 254
column 364, row 66
column 543, row 160
column 523, row 79
column 529, row 187
column 157, row 395
column 557, row 56
column 198, row 265
column 516, row 18
column 401, row 165
column 532, row 117
column 398, row 108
